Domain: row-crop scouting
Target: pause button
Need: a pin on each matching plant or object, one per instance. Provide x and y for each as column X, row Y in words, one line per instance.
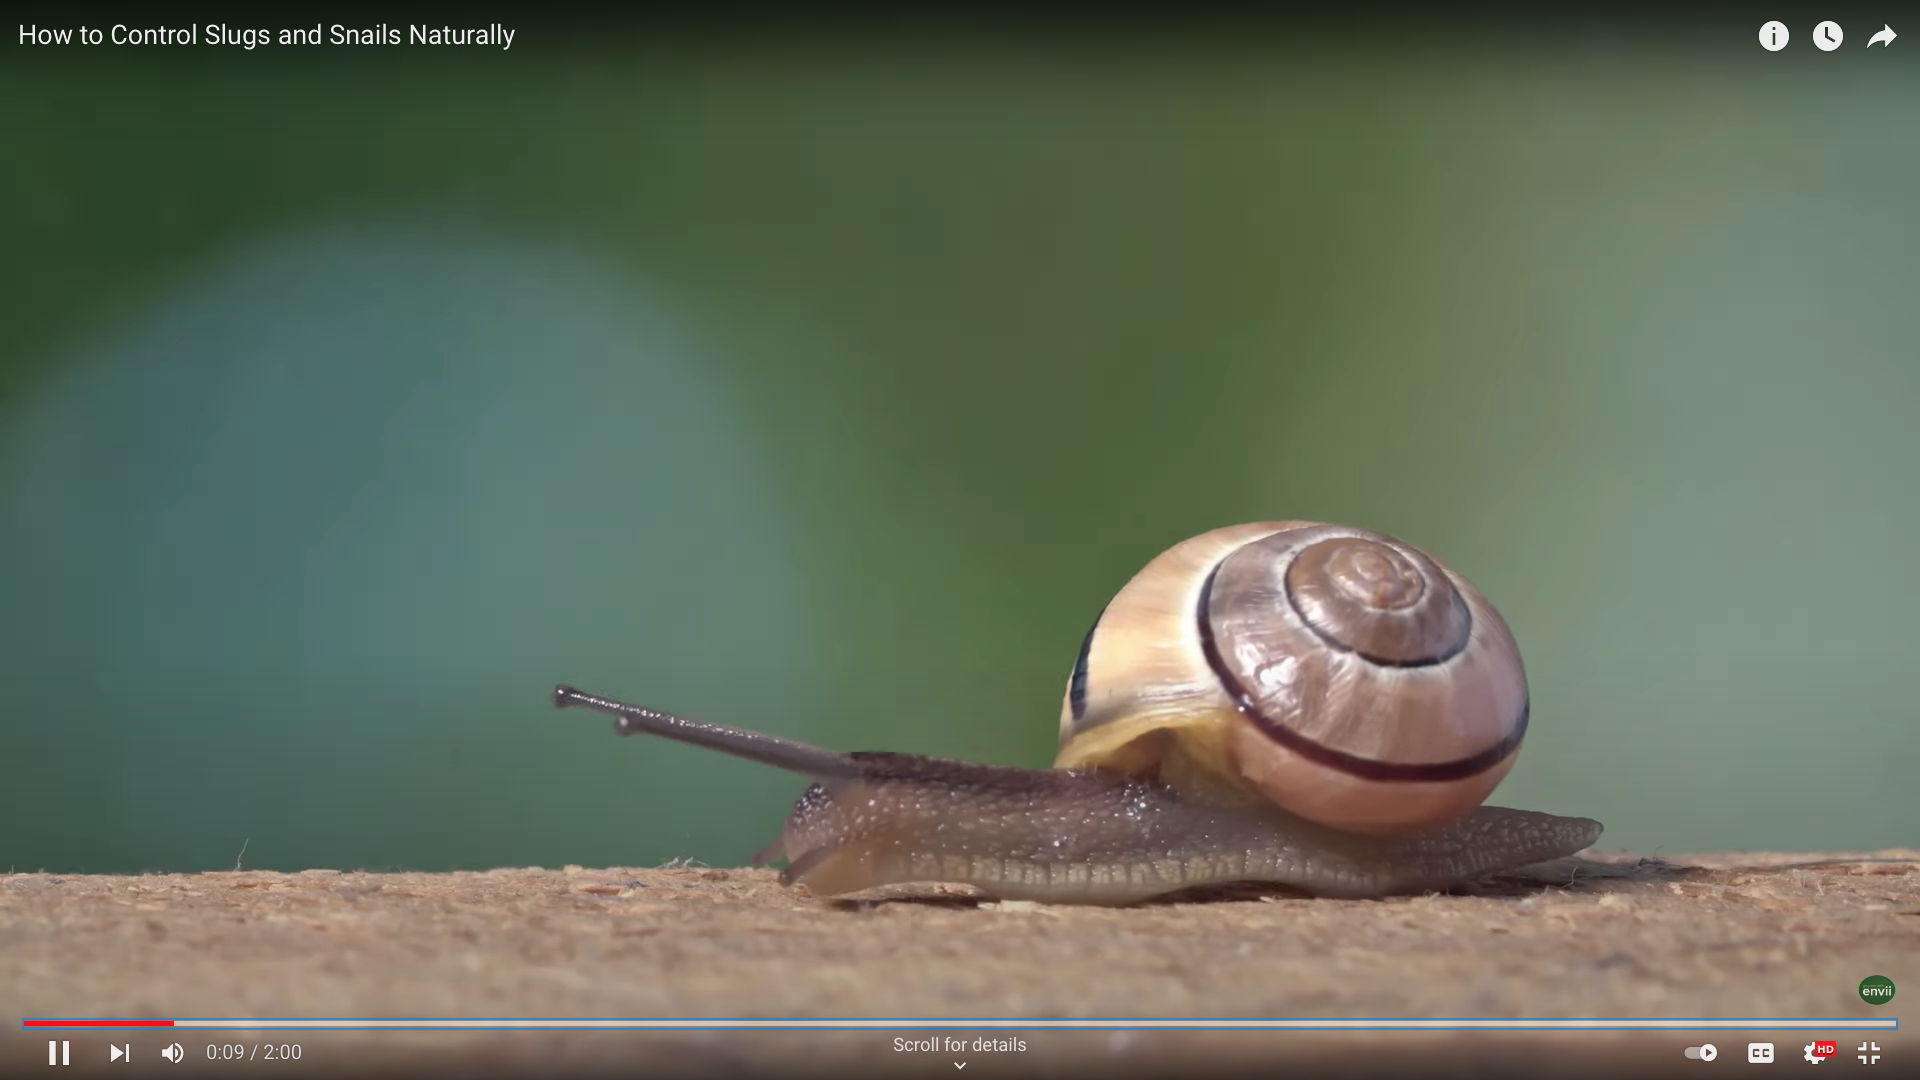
column 59, row 1053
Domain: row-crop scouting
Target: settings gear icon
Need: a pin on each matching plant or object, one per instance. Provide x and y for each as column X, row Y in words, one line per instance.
column 1812, row 1059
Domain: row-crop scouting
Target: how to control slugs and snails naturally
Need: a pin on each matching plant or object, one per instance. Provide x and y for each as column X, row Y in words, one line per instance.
column 1308, row 705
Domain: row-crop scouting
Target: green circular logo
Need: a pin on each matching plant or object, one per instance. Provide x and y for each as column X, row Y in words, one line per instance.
column 1876, row 989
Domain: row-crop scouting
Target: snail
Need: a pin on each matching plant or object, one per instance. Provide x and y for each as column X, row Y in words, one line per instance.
column 1292, row 703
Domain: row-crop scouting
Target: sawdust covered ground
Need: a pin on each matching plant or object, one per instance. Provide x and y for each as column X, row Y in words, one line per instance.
column 1719, row 936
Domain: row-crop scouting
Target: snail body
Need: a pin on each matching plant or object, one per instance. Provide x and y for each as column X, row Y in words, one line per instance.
column 1308, row 705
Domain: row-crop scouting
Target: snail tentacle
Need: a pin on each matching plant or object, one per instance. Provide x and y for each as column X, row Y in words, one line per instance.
column 796, row 757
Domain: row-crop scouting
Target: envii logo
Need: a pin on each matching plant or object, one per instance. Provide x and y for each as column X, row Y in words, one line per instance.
column 1876, row 989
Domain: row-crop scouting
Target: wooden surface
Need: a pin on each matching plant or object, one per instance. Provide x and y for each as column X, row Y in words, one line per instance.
column 1718, row 936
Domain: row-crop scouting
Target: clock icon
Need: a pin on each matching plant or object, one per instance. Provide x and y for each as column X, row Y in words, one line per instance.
column 1827, row 36
column 1773, row 36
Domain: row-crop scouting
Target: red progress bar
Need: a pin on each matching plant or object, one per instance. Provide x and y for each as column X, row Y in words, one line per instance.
column 97, row 1023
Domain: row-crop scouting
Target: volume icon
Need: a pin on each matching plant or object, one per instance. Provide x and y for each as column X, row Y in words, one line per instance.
column 173, row 1053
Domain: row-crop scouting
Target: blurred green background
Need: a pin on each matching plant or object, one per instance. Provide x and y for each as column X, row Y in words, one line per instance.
column 349, row 399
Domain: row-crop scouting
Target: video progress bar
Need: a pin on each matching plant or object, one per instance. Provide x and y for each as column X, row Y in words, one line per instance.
column 979, row 1024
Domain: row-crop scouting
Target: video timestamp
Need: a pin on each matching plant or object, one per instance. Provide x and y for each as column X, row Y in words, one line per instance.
column 253, row 1051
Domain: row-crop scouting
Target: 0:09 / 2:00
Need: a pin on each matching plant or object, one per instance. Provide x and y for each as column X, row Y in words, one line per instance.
column 255, row 1052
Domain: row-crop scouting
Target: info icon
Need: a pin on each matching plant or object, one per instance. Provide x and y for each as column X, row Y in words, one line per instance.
column 1759, row 1053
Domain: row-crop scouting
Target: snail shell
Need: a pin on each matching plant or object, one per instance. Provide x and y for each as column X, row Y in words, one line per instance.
column 1341, row 674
